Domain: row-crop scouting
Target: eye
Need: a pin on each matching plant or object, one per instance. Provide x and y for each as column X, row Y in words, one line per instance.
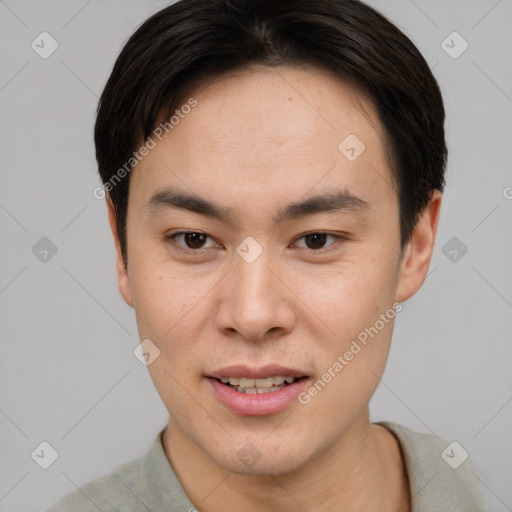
column 318, row 239
column 190, row 240
column 196, row 241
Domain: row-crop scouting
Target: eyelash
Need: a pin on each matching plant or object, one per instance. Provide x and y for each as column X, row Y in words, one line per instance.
column 171, row 238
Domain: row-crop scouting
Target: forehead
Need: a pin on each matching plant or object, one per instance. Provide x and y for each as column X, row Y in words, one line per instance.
column 268, row 133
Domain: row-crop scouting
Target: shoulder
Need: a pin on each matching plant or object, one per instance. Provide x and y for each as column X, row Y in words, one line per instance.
column 440, row 473
column 119, row 490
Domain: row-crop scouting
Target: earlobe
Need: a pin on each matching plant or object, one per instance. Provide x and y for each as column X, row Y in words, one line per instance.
column 418, row 253
column 123, row 280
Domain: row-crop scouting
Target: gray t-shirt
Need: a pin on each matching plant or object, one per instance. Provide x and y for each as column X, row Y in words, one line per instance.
column 149, row 483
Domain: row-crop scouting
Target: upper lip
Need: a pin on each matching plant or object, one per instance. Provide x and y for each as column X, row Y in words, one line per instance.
column 262, row 372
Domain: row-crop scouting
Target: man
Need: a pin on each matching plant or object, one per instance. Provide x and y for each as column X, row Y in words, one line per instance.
column 273, row 174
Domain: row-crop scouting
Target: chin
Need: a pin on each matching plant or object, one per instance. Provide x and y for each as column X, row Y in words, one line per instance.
column 268, row 461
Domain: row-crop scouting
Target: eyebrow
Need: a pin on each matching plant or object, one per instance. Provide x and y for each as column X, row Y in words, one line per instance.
column 336, row 201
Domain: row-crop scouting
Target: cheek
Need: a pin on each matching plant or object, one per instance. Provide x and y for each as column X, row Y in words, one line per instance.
column 162, row 295
column 350, row 296
column 352, row 355
column 350, row 363
column 173, row 308
column 154, row 303
column 170, row 313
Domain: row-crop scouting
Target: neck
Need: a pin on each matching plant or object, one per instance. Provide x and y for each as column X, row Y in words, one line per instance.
column 364, row 470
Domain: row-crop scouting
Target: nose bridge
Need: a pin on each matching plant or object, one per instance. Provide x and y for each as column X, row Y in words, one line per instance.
column 257, row 302
column 253, row 286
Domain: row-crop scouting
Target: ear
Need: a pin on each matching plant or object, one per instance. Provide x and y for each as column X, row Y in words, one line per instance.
column 123, row 281
column 418, row 253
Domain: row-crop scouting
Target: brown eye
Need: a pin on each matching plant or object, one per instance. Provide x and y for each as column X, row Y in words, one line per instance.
column 194, row 240
column 315, row 240
column 319, row 241
column 191, row 240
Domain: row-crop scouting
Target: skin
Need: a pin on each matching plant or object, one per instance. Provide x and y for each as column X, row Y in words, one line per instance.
column 256, row 141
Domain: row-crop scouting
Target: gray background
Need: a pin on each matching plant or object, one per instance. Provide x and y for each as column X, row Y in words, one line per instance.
column 68, row 373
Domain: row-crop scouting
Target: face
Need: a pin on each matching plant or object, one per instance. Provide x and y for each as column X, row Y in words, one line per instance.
column 262, row 245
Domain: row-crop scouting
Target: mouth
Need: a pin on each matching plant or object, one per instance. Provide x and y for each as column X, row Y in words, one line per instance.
column 255, row 392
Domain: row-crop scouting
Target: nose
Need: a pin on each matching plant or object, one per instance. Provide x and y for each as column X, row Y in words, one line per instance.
column 256, row 305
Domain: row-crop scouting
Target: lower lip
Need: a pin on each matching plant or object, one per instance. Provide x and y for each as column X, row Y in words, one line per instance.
column 258, row 404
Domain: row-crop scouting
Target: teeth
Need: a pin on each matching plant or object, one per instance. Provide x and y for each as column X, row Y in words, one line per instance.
column 253, row 391
column 254, row 386
column 264, row 383
column 246, row 383
column 258, row 383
